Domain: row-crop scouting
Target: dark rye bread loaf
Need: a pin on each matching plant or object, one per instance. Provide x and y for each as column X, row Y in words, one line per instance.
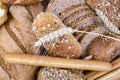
column 64, row 45
column 104, row 49
column 59, row 6
column 16, row 36
column 49, row 73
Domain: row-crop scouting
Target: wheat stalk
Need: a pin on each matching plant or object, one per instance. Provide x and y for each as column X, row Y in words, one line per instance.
column 60, row 32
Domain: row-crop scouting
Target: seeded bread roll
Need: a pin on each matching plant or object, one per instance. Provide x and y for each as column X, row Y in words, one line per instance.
column 20, row 1
column 63, row 46
column 109, row 11
column 3, row 13
column 104, row 49
column 49, row 73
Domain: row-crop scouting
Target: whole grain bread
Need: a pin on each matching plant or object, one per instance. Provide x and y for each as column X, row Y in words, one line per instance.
column 20, row 1
column 67, row 12
column 49, row 73
column 86, row 39
column 104, row 49
column 65, row 45
column 17, row 36
column 110, row 8
column 58, row 6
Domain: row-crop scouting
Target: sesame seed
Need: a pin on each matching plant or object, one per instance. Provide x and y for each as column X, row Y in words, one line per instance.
column 69, row 47
column 43, row 27
column 48, row 25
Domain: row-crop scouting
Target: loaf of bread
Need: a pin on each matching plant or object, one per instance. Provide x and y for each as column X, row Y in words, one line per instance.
column 3, row 13
column 104, row 49
column 49, row 73
column 20, row 1
column 64, row 45
column 16, row 36
column 108, row 11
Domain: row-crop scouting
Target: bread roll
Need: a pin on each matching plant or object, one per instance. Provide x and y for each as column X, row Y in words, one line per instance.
column 49, row 73
column 3, row 13
column 63, row 46
column 109, row 11
column 104, row 49
column 20, row 1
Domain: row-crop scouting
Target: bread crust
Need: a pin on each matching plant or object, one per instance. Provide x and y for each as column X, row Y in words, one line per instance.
column 104, row 49
column 20, row 1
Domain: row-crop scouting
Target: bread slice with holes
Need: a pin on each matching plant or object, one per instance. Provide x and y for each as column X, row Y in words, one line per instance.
column 63, row 44
column 49, row 73
column 64, row 7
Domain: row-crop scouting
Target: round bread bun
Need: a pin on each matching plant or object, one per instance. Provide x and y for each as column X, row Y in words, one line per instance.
column 3, row 13
column 20, row 1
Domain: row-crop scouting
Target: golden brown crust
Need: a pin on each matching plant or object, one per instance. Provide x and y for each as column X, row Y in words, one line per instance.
column 3, row 13
column 20, row 1
column 104, row 49
column 64, row 46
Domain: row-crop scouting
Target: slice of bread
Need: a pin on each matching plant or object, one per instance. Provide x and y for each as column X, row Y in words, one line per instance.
column 63, row 15
column 58, row 6
column 49, row 73
column 73, row 17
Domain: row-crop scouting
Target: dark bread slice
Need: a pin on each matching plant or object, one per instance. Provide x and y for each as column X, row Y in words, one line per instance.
column 86, row 39
column 63, row 46
column 104, row 49
column 58, row 6
column 49, row 73
column 63, row 15
column 89, row 19
column 70, row 19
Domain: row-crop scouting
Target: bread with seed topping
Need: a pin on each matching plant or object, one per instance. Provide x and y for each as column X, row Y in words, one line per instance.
column 63, row 46
column 49, row 73
column 109, row 9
